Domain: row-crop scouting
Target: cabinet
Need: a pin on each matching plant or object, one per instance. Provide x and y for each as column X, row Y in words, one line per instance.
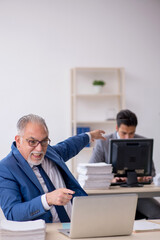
column 95, row 110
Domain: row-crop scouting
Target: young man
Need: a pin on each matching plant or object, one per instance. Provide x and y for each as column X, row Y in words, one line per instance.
column 26, row 192
column 125, row 129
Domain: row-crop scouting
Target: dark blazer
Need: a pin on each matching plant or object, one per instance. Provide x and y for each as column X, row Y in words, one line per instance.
column 20, row 190
column 101, row 150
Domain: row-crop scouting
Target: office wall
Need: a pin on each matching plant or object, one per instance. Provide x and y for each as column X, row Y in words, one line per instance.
column 41, row 40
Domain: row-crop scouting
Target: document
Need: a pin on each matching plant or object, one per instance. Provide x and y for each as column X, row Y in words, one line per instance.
column 144, row 225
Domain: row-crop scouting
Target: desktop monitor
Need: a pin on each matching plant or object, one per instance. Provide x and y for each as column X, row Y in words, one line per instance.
column 131, row 158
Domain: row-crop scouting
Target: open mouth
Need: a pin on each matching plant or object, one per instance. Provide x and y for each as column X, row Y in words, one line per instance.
column 36, row 158
column 37, row 155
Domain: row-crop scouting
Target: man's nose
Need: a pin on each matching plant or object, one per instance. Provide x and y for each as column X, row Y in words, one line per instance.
column 129, row 136
column 39, row 147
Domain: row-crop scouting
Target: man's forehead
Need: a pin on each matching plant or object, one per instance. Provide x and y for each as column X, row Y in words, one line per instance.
column 35, row 128
column 126, row 128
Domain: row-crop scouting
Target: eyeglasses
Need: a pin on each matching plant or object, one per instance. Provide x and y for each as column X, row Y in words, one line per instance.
column 34, row 142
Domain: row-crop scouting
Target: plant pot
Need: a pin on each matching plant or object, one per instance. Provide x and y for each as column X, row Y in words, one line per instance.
column 97, row 89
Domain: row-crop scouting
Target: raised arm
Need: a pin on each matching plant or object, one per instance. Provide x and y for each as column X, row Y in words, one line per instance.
column 73, row 145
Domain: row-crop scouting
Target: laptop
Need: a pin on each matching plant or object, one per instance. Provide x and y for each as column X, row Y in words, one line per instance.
column 102, row 216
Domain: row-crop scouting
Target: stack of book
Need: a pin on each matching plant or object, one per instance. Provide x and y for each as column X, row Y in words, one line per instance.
column 95, row 175
column 22, row 230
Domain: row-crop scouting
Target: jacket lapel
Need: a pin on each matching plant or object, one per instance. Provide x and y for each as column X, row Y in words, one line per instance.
column 50, row 154
column 25, row 167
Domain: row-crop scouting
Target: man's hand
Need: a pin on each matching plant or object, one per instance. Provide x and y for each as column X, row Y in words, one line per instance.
column 124, row 179
column 144, row 179
column 119, row 179
column 59, row 196
column 97, row 134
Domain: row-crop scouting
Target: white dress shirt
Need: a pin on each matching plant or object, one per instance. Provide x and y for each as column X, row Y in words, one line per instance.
column 57, row 180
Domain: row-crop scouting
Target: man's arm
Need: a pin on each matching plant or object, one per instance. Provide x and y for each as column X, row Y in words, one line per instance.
column 98, row 154
column 16, row 210
column 73, row 145
column 153, row 170
column 148, row 178
column 19, row 202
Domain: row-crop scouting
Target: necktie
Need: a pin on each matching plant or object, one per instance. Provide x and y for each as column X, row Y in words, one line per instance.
column 60, row 209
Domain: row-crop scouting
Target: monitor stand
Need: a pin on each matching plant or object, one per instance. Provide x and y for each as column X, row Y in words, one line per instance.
column 131, row 180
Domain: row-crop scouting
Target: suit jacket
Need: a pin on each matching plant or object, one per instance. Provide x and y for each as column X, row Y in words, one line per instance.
column 101, row 150
column 20, row 190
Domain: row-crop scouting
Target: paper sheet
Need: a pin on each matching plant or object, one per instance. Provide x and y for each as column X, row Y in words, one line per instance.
column 144, row 225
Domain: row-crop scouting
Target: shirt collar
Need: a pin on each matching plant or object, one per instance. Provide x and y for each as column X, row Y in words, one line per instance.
column 118, row 137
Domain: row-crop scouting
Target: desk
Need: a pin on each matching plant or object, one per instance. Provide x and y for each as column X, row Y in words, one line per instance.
column 147, row 191
column 52, row 233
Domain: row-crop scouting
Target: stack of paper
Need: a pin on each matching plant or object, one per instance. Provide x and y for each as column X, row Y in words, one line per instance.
column 22, row 230
column 94, row 175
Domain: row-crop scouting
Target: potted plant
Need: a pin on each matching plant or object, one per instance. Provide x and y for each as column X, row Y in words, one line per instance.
column 98, row 84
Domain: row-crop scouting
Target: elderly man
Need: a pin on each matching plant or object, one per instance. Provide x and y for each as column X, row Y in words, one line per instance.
column 35, row 182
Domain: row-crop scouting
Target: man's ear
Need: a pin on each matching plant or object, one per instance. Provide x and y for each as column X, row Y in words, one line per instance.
column 117, row 128
column 17, row 139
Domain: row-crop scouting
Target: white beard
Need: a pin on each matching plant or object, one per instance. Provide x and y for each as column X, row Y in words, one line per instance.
column 37, row 162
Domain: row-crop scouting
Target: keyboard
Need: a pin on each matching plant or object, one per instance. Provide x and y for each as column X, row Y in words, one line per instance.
column 120, row 183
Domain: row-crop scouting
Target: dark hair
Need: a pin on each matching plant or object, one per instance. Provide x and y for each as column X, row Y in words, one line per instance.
column 126, row 117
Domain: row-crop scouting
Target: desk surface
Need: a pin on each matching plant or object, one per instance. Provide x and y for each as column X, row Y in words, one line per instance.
column 52, row 233
column 143, row 192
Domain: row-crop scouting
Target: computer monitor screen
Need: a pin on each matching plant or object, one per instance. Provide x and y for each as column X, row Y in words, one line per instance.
column 131, row 158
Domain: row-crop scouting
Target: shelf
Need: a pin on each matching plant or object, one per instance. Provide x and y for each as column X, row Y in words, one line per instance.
column 93, row 109
column 95, row 122
column 97, row 95
column 98, row 69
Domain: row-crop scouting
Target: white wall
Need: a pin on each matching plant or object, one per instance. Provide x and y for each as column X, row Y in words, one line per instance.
column 41, row 40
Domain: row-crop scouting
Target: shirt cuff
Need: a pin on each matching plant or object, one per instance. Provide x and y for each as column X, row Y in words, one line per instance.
column 44, row 202
column 89, row 135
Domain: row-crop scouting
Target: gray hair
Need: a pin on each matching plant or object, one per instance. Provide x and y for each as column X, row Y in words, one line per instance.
column 23, row 121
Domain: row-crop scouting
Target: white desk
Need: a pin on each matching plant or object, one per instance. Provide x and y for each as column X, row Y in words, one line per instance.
column 146, row 191
column 52, row 233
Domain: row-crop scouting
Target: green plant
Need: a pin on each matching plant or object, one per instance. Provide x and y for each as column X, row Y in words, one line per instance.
column 98, row 83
